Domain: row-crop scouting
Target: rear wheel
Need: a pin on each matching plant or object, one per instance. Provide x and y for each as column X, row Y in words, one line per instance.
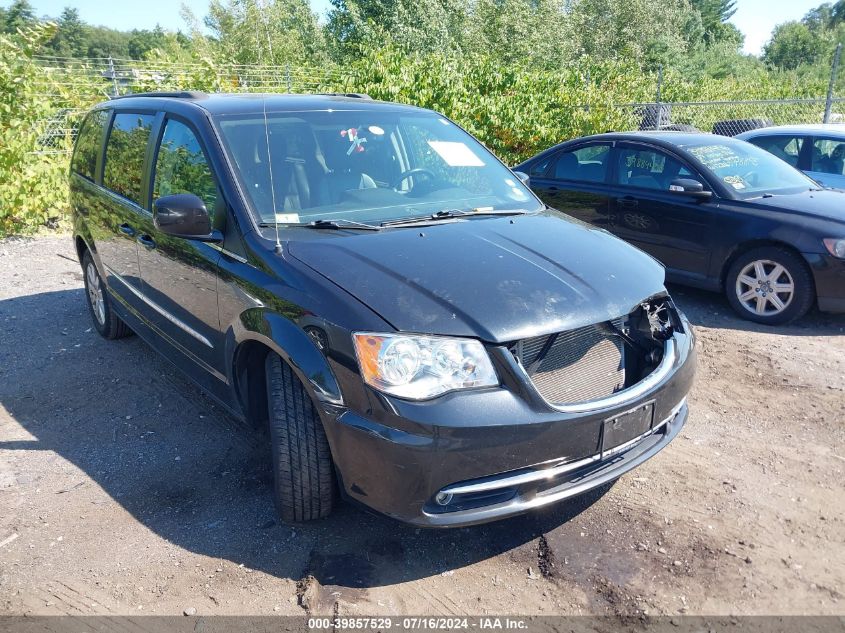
column 770, row 285
column 107, row 323
column 302, row 462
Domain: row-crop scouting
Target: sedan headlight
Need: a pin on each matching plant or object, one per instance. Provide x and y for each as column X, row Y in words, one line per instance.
column 835, row 247
column 421, row 367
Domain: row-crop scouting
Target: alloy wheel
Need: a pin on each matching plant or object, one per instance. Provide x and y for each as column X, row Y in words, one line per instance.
column 95, row 293
column 765, row 287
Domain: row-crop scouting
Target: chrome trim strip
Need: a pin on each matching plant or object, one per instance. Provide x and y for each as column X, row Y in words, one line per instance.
column 227, row 253
column 550, row 473
column 620, row 397
column 180, row 324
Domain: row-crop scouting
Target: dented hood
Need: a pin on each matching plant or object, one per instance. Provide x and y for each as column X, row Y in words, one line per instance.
column 498, row 279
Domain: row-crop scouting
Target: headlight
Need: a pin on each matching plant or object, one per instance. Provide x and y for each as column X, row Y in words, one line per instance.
column 421, row 367
column 835, row 247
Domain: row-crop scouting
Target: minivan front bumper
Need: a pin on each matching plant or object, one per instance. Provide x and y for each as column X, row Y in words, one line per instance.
column 495, row 453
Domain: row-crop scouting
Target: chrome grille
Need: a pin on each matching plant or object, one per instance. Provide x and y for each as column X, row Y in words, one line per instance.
column 581, row 365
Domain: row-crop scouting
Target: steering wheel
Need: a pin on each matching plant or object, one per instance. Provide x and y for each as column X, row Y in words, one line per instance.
column 418, row 171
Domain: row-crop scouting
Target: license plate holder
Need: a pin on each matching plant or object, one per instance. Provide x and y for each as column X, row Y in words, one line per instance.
column 627, row 426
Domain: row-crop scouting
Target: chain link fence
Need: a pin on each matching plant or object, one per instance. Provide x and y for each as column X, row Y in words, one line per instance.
column 64, row 79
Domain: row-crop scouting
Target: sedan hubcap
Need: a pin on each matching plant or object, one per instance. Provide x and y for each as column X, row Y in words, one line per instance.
column 765, row 288
column 95, row 294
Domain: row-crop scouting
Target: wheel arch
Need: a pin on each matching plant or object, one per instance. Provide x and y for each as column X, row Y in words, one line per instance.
column 259, row 332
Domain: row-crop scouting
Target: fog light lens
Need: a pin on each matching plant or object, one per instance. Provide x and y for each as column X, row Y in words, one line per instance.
column 443, row 498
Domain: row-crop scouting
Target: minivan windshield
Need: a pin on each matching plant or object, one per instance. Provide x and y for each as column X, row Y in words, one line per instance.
column 747, row 170
column 366, row 166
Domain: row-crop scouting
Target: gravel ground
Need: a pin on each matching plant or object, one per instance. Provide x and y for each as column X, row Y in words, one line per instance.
column 124, row 490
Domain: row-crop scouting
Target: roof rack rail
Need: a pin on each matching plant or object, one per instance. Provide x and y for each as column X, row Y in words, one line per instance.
column 351, row 95
column 184, row 94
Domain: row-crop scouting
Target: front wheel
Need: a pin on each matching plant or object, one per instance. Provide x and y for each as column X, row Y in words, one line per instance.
column 302, row 462
column 770, row 285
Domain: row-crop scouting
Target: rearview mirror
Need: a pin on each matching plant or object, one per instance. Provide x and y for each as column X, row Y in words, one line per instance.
column 523, row 177
column 689, row 186
column 184, row 215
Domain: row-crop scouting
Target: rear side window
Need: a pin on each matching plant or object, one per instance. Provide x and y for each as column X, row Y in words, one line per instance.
column 585, row 164
column 181, row 166
column 125, row 152
column 787, row 148
column 88, row 144
column 828, row 156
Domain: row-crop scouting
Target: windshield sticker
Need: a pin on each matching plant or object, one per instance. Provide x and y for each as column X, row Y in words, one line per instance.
column 734, row 181
column 287, row 218
column 456, row 154
column 375, row 129
column 357, row 142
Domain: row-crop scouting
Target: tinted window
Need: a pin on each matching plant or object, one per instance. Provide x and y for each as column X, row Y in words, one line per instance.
column 125, row 154
column 828, row 156
column 585, row 164
column 88, row 144
column 181, row 166
column 539, row 168
column 648, row 169
column 787, row 148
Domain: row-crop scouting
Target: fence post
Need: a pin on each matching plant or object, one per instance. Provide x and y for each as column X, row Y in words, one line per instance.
column 659, row 109
column 833, row 72
column 110, row 74
column 287, row 76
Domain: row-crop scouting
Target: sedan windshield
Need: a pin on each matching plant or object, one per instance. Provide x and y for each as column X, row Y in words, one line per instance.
column 366, row 166
column 747, row 170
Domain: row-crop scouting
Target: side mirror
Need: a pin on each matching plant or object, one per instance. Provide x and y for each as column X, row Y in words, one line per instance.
column 184, row 215
column 523, row 177
column 689, row 187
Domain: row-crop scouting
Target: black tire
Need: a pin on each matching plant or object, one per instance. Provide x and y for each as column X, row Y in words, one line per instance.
column 795, row 304
column 302, row 462
column 106, row 322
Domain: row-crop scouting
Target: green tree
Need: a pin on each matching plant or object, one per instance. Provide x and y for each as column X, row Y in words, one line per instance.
column 71, row 38
column 714, row 17
column 794, row 44
column 264, row 31
column 19, row 15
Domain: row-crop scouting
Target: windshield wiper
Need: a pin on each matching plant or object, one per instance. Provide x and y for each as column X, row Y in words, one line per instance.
column 339, row 223
column 447, row 214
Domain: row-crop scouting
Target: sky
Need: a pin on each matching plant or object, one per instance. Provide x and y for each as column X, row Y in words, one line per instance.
column 755, row 18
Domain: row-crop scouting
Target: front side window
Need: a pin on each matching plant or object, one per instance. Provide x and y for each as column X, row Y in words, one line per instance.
column 828, row 156
column 787, row 148
column 748, row 170
column 88, row 144
column 585, row 164
column 364, row 166
column 648, row 169
column 181, row 166
column 125, row 151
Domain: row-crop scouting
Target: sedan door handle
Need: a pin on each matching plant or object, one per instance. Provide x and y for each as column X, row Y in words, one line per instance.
column 126, row 229
column 552, row 189
column 628, row 203
column 146, row 241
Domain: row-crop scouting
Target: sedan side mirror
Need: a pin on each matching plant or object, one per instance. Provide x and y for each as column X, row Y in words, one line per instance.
column 690, row 187
column 184, row 215
column 523, row 177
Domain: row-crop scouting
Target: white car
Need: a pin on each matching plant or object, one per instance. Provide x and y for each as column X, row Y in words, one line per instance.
column 817, row 150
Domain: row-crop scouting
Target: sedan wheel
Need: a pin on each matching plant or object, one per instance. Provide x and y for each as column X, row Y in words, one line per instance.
column 771, row 285
column 765, row 287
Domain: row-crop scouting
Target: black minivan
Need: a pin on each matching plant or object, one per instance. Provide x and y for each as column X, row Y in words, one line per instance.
column 416, row 330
